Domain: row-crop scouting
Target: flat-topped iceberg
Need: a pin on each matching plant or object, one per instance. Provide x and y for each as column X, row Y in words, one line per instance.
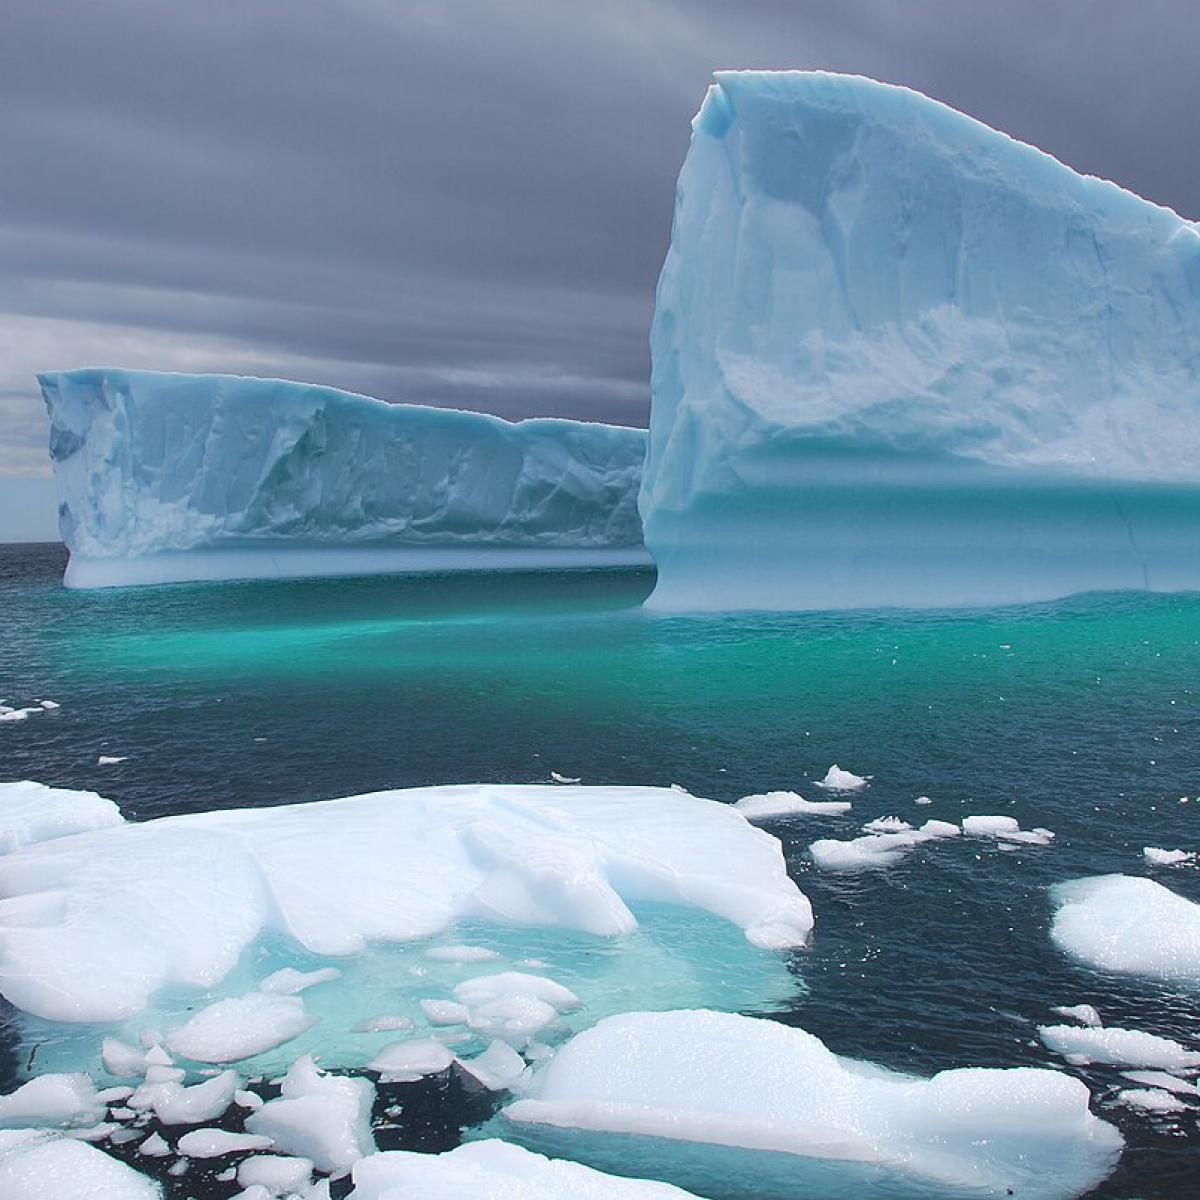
column 764, row 1109
column 902, row 359
column 169, row 477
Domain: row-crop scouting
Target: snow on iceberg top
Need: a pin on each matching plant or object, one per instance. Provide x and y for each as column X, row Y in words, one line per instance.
column 91, row 925
column 858, row 270
column 148, row 462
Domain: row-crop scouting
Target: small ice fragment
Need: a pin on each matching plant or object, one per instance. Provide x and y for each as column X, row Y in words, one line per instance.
column 194, row 1105
column 114, row 1095
column 1085, row 1014
column 461, row 954
column 49, row 704
column 1155, row 857
column 485, row 988
column 1163, row 1081
column 1119, row 1047
column 837, row 780
column 157, row 1074
column 563, row 778
column 406, row 1062
column 886, row 825
column 1153, row 1100
column 385, row 1023
column 288, row 981
column 279, row 1175
column 922, row 800
column 240, row 1027
column 109, row 760
column 444, row 1012
column 874, row 851
column 940, row 829
column 787, row 804
column 984, row 826
column 515, row 1019
column 122, row 1060
column 245, row 1099
column 498, row 1068
column 179, row 1167
column 155, row 1146
column 212, row 1143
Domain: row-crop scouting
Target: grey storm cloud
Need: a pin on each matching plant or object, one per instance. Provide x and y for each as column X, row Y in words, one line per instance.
column 459, row 202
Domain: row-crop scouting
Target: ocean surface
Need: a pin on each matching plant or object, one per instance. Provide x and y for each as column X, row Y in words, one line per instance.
column 1081, row 716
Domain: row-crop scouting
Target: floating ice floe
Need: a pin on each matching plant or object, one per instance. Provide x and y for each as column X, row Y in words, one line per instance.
column 1118, row 1047
column 1154, row 857
column 496, row 1170
column 1005, row 829
column 1127, row 924
column 877, row 850
column 1085, row 1014
column 837, row 780
column 240, row 1027
column 179, row 1105
column 499, row 1067
column 34, row 1163
column 1162, row 1081
column 281, row 1176
column 445, row 1012
column 563, row 778
column 888, row 825
column 1151, row 1100
column 215, row 1143
column 406, row 1062
column 110, row 760
column 461, row 954
column 385, row 1023
column 768, row 805
column 668, row 1089
column 52, row 1100
column 31, row 812
column 94, row 926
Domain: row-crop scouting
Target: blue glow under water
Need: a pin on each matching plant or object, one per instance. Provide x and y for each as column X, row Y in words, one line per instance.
column 1081, row 716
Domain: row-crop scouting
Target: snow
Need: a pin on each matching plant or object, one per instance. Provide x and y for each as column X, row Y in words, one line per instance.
column 769, row 805
column 923, row 363
column 498, row 1171
column 406, row 1062
column 1152, row 1100
column 289, row 981
column 837, row 780
column 31, row 812
column 214, row 1143
column 1154, row 857
column 1128, row 925
column 280, row 1176
column 325, row 1118
column 109, row 760
column 93, row 925
column 1085, row 1014
column 240, row 1027
column 714, row 1078
column 52, row 1100
column 1118, row 1047
column 37, row 1164
column 166, row 477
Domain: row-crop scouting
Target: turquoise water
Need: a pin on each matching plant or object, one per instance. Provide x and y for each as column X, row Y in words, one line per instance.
column 1081, row 716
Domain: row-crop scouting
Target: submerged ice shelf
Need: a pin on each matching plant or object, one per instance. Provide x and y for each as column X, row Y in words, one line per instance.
column 165, row 477
column 902, row 359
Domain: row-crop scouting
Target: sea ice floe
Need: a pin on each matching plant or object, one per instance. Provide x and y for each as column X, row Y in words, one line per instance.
column 214, row 1143
column 110, row 760
column 1163, row 1082
column 887, row 825
column 837, row 780
column 641, row 1088
column 1085, row 1014
column 280, row 1175
column 769, row 805
column 1151, row 1100
column 498, row 1171
column 1005, row 829
column 155, row 1146
column 445, row 1012
column 484, row 989
column 178, row 1105
column 47, row 1100
column 323, row 1117
column 499, row 1067
column 39, row 1164
column 240, row 1027
column 1118, row 1047
column 94, row 925
column 1127, row 924
column 31, row 812
column 1154, row 857
column 406, row 1062
column 877, row 850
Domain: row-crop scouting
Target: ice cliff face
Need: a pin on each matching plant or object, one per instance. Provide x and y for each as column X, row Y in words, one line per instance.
column 192, row 476
column 900, row 358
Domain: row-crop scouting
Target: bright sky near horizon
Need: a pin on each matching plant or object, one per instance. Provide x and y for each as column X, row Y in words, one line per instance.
column 464, row 204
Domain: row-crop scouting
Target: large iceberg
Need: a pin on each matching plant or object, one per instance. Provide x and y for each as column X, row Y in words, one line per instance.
column 902, row 359
column 167, row 477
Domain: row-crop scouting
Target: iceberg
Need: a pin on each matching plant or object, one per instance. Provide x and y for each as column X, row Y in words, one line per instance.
column 769, row 1110
column 900, row 359
column 168, row 477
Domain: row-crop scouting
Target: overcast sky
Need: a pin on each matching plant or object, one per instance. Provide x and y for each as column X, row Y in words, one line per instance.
column 462, row 202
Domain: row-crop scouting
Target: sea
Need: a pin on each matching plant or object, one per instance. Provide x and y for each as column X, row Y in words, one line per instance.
column 1081, row 716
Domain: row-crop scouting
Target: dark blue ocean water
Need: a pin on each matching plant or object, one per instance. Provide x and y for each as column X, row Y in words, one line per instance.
column 1081, row 716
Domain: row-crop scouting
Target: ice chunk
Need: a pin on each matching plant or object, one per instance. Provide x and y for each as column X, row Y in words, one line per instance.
column 213, row 1143
column 1163, row 1081
column 325, row 1118
column 1085, row 1014
column 940, row 829
column 31, row 812
column 876, row 850
column 240, row 1027
column 1152, row 1100
column 990, row 826
column 406, row 1062
column 155, row 1146
column 52, row 1100
column 787, row 804
column 280, row 1176
column 485, row 988
column 1120, row 923
column 498, row 1067
column 91, row 927
column 289, row 981
column 1118, row 1047
column 515, row 1019
column 498, row 1171
column 461, row 954
column 444, row 1012
column 167, row 477
column 716, row 1078
column 887, row 825
column 1155, row 857
column 37, row 1164
column 110, row 760
column 121, row 1059
column 837, row 780
column 902, row 359
column 202, row 1102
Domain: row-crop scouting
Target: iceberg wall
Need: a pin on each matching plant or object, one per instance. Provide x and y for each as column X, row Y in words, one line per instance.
column 902, row 359
column 167, row 477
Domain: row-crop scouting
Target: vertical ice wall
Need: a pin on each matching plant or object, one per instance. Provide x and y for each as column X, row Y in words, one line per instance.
column 902, row 359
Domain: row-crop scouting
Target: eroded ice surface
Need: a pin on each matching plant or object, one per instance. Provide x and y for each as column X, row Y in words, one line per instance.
column 166, row 477
column 498, row 1171
column 924, row 363
column 670, row 1088
column 32, row 812
column 38, row 1164
column 1127, row 924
